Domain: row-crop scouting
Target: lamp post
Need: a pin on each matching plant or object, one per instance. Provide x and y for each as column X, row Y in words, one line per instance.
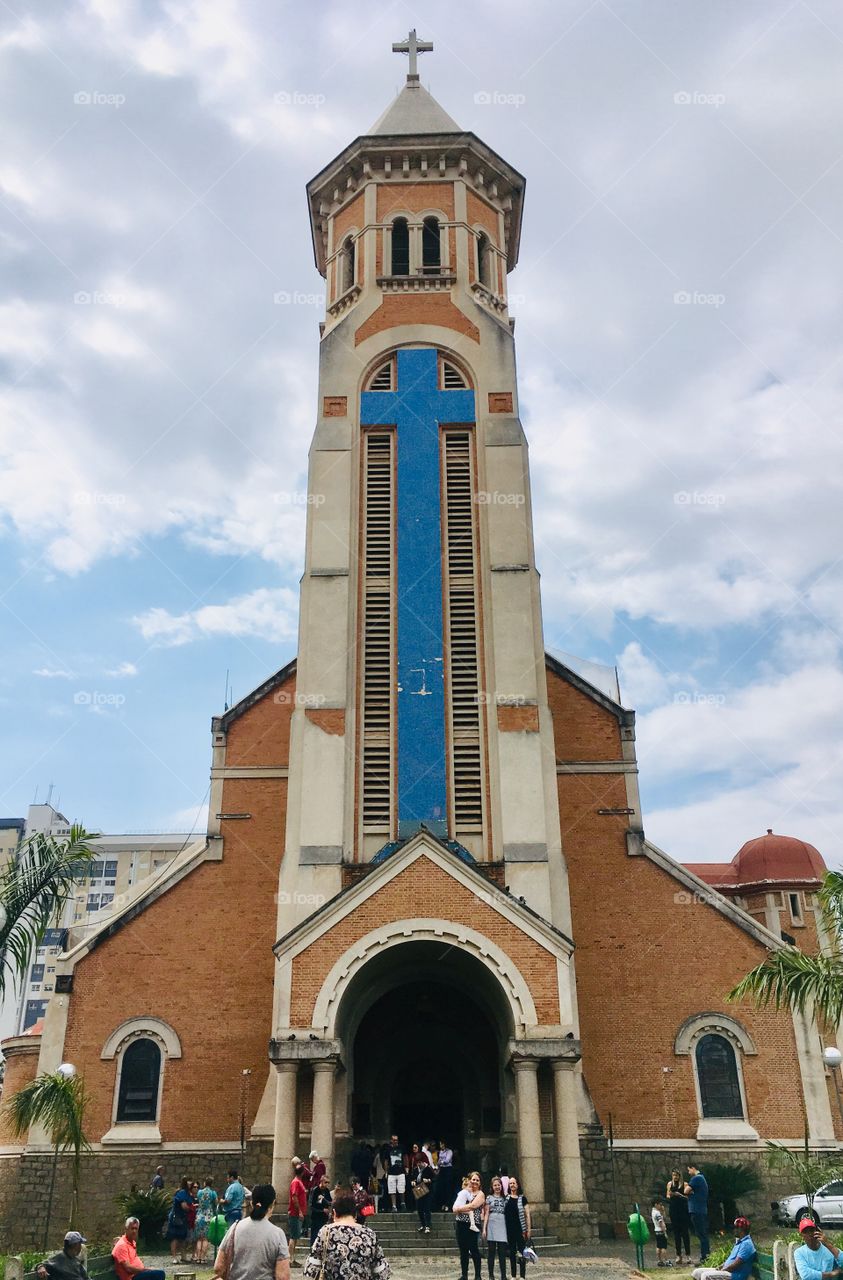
column 833, row 1058
column 244, row 1096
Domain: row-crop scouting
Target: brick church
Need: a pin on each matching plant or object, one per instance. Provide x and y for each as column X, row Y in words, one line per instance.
column 425, row 902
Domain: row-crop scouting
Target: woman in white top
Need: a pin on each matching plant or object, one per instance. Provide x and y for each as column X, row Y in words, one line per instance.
column 254, row 1248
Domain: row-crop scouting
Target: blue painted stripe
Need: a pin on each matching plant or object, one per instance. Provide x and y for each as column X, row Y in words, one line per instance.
column 417, row 408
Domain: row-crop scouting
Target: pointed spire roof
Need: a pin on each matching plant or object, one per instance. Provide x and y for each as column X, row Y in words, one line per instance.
column 413, row 111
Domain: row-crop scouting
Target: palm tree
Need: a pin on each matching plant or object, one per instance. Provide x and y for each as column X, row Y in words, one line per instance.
column 34, row 886
column 805, row 983
column 57, row 1102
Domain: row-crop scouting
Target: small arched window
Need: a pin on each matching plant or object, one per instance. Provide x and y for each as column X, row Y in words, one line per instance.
column 347, row 265
column 400, row 247
column 717, row 1072
column 140, row 1072
column 484, row 260
column 431, row 246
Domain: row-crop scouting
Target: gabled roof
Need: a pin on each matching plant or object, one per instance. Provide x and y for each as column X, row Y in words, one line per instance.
column 240, row 708
column 413, row 111
column 625, row 715
column 424, row 842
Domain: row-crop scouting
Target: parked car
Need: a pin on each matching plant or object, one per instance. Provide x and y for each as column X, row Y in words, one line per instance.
column 828, row 1206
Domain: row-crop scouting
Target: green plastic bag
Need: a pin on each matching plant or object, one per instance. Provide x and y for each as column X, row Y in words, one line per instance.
column 637, row 1229
column 217, row 1228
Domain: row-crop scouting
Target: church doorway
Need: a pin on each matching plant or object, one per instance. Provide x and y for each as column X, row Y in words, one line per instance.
column 425, row 1042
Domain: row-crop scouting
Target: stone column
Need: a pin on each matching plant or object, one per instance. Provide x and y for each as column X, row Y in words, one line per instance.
column 530, row 1161
column 322, row 1132
column 286, row 1126
column 571, row 1193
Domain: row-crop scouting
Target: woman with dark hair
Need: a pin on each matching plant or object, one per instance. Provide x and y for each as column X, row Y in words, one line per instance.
column 253, row 1247
column 423, row 1175
column 516, row 1214
column 177, row 1221
column 345, row 1249
column 494, row 1227
column 680, row 1218
column 467, row 1211
column 206, row 1209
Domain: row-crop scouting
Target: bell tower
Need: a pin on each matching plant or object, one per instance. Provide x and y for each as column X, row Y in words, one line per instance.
column 421, row 696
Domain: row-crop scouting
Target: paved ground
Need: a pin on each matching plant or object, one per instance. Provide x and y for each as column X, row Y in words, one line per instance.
column 604, row 1261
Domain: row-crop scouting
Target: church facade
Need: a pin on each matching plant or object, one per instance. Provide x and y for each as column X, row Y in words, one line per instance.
column 425, row 903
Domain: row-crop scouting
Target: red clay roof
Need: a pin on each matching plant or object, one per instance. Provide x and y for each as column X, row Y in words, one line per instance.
column 769, row 859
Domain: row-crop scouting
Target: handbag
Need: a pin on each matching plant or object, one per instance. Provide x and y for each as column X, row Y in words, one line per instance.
column 420, row 1190
column 228, row 1256
column 367, row 1211
column 327, row 1231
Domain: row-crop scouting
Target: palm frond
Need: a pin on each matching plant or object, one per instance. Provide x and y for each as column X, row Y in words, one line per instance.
column 55, row 1103
column 831, row 900
column 33, row 889
column 790, row 979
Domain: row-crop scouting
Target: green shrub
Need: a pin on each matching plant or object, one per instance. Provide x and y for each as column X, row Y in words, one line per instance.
column 727, row 1184
column 150, row 1208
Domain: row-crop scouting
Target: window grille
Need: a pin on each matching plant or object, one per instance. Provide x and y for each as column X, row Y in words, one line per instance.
column 378, row 612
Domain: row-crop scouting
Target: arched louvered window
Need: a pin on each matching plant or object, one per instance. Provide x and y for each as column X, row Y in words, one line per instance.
column 383, row 378
column 347, row 265
column 719, row 1082
column 450, row 377
column 484, row 260
column 431, row 246
column 140, row 1072
column 400, row 247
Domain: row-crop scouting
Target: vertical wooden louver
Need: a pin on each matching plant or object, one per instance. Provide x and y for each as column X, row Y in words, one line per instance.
column 378, row 614
column 465, row 723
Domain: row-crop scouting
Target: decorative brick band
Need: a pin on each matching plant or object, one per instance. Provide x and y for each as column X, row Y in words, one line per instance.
column 329, row 719
column 500, row 402
column 518, row 719
column 334, row 406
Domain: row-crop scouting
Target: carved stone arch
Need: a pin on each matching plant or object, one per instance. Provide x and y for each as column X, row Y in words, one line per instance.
column 510, row 980
column 138, row 1028
column 700, row 1024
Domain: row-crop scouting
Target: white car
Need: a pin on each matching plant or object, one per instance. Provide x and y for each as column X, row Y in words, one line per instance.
column 828, row 1206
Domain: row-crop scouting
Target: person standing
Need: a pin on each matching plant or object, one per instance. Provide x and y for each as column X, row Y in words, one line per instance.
column 206, row 1209
column 698, row 1209
column 345, row 1250
column 317, row 1171
column 396, row 1171
column 518, row 1225
column 254, row 1248
column 467, row 1211
column 66, row 1265
column 157, row 1183
column 660, row 1232
column 494, row 1228
column 127, row 1264
column 296, row 1211
column 232, row 1202
column 445, row 1177
column 361, row 1163
column 738, row 1265
column 680, row 1222
column 320, row 1207
column 422, row 1187
column 178, row 1226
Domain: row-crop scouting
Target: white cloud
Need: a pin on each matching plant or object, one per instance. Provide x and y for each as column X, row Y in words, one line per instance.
column 51, row 673
column 124, row 671
column 270, row 613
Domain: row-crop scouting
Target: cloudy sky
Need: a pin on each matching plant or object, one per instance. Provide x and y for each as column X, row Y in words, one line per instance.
column 678, row 307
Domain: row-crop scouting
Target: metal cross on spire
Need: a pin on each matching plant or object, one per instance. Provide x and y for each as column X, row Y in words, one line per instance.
column 413, row 46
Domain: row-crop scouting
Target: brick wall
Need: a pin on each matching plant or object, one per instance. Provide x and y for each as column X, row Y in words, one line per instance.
column 21, row 1068
column 423, row 890
column 649, row 956
column 415, row 198
column 416, row 308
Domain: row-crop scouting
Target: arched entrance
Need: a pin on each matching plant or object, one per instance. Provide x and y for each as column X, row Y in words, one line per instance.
column 424, row 1027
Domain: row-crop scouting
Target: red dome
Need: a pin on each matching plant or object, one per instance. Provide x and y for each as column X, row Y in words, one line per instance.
column 782, row 859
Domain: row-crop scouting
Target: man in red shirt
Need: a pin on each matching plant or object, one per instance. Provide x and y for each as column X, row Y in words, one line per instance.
column 296, row 1212
column 127, row 1264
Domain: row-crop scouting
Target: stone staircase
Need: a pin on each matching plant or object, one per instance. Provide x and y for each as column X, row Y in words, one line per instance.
column 400, row 1238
